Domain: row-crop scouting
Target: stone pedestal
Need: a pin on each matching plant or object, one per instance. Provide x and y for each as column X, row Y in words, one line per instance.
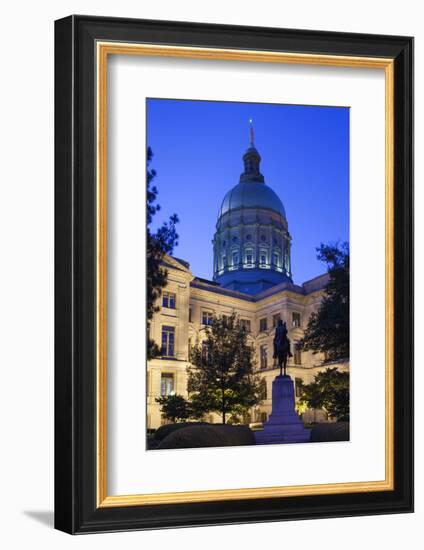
column 283, row 425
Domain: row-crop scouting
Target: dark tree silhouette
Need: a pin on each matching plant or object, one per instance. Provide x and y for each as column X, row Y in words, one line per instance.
column 221, row 377
column 174, row 407
column 158, row 244
column 329, row 391
column 328, row 328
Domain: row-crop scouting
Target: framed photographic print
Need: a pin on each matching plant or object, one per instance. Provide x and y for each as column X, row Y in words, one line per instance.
column 233, row 274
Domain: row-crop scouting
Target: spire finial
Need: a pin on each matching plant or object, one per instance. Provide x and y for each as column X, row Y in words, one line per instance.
column 251, row 159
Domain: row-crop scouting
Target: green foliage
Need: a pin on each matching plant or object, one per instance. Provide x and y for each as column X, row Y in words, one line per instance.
column 221, row 377
column 329, row 391
column 263, row 390
column 174, row 407
column 328, row 328
column 158, row 244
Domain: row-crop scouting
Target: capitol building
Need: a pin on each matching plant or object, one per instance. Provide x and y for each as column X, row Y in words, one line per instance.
column 252, row 276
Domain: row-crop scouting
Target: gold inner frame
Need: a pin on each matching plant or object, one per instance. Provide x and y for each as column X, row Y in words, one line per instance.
column 104, row 49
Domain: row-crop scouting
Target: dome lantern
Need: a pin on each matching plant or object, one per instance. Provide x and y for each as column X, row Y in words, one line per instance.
column 251, row 160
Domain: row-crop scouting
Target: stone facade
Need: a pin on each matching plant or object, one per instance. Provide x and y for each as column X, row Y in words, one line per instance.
column 252, row 277
column 192, row 299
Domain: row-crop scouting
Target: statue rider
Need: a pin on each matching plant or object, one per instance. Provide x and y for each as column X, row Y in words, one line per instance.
column 281, row 346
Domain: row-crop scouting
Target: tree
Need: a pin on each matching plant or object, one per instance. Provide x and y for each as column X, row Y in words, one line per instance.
column 158, row 244
column 311, row 396
column 327, row 331
column 329, row 391
column 174, row 407
column 221, row 376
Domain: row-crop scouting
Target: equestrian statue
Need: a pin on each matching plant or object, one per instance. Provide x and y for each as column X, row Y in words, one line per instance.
column 282, row 346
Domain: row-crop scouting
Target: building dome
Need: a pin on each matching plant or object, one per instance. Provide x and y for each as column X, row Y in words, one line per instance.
column 252, row 195
column 251, row 242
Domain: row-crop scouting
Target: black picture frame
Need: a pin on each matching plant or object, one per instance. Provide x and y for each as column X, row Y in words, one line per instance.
column 76, row 510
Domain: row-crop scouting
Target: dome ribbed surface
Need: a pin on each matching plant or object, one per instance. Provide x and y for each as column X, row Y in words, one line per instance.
column 251, row 194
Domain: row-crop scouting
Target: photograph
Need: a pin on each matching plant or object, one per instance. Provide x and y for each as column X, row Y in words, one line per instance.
column 247, row 264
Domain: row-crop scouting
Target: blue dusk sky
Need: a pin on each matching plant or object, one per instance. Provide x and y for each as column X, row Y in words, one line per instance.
column 198, row 148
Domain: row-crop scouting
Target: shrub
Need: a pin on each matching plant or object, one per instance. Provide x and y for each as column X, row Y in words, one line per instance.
column 166, row 429
column 332, row 431
column 208, row 435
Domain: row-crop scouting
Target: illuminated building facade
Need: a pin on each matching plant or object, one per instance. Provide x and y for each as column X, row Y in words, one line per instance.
column 252, row 277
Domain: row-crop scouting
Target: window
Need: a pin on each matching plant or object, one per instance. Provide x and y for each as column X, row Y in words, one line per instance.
column 263, row 258
column 248, row 237
column 235, row 259
column 168, row 341
column 234, row 239
column 167, row 383
column 298, row 386
column 264, row 356
column 276, row 259
column 245, row 323
column 263, row 238
column 275, row 319
column 263, row 324
column 249, row 257
column 168, row 300
column 295, row 319
column 297, row 355
column 224, row 262
column 207, row 318
column 190, row 315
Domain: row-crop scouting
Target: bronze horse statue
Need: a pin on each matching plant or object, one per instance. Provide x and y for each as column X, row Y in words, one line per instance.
column 282, row 346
